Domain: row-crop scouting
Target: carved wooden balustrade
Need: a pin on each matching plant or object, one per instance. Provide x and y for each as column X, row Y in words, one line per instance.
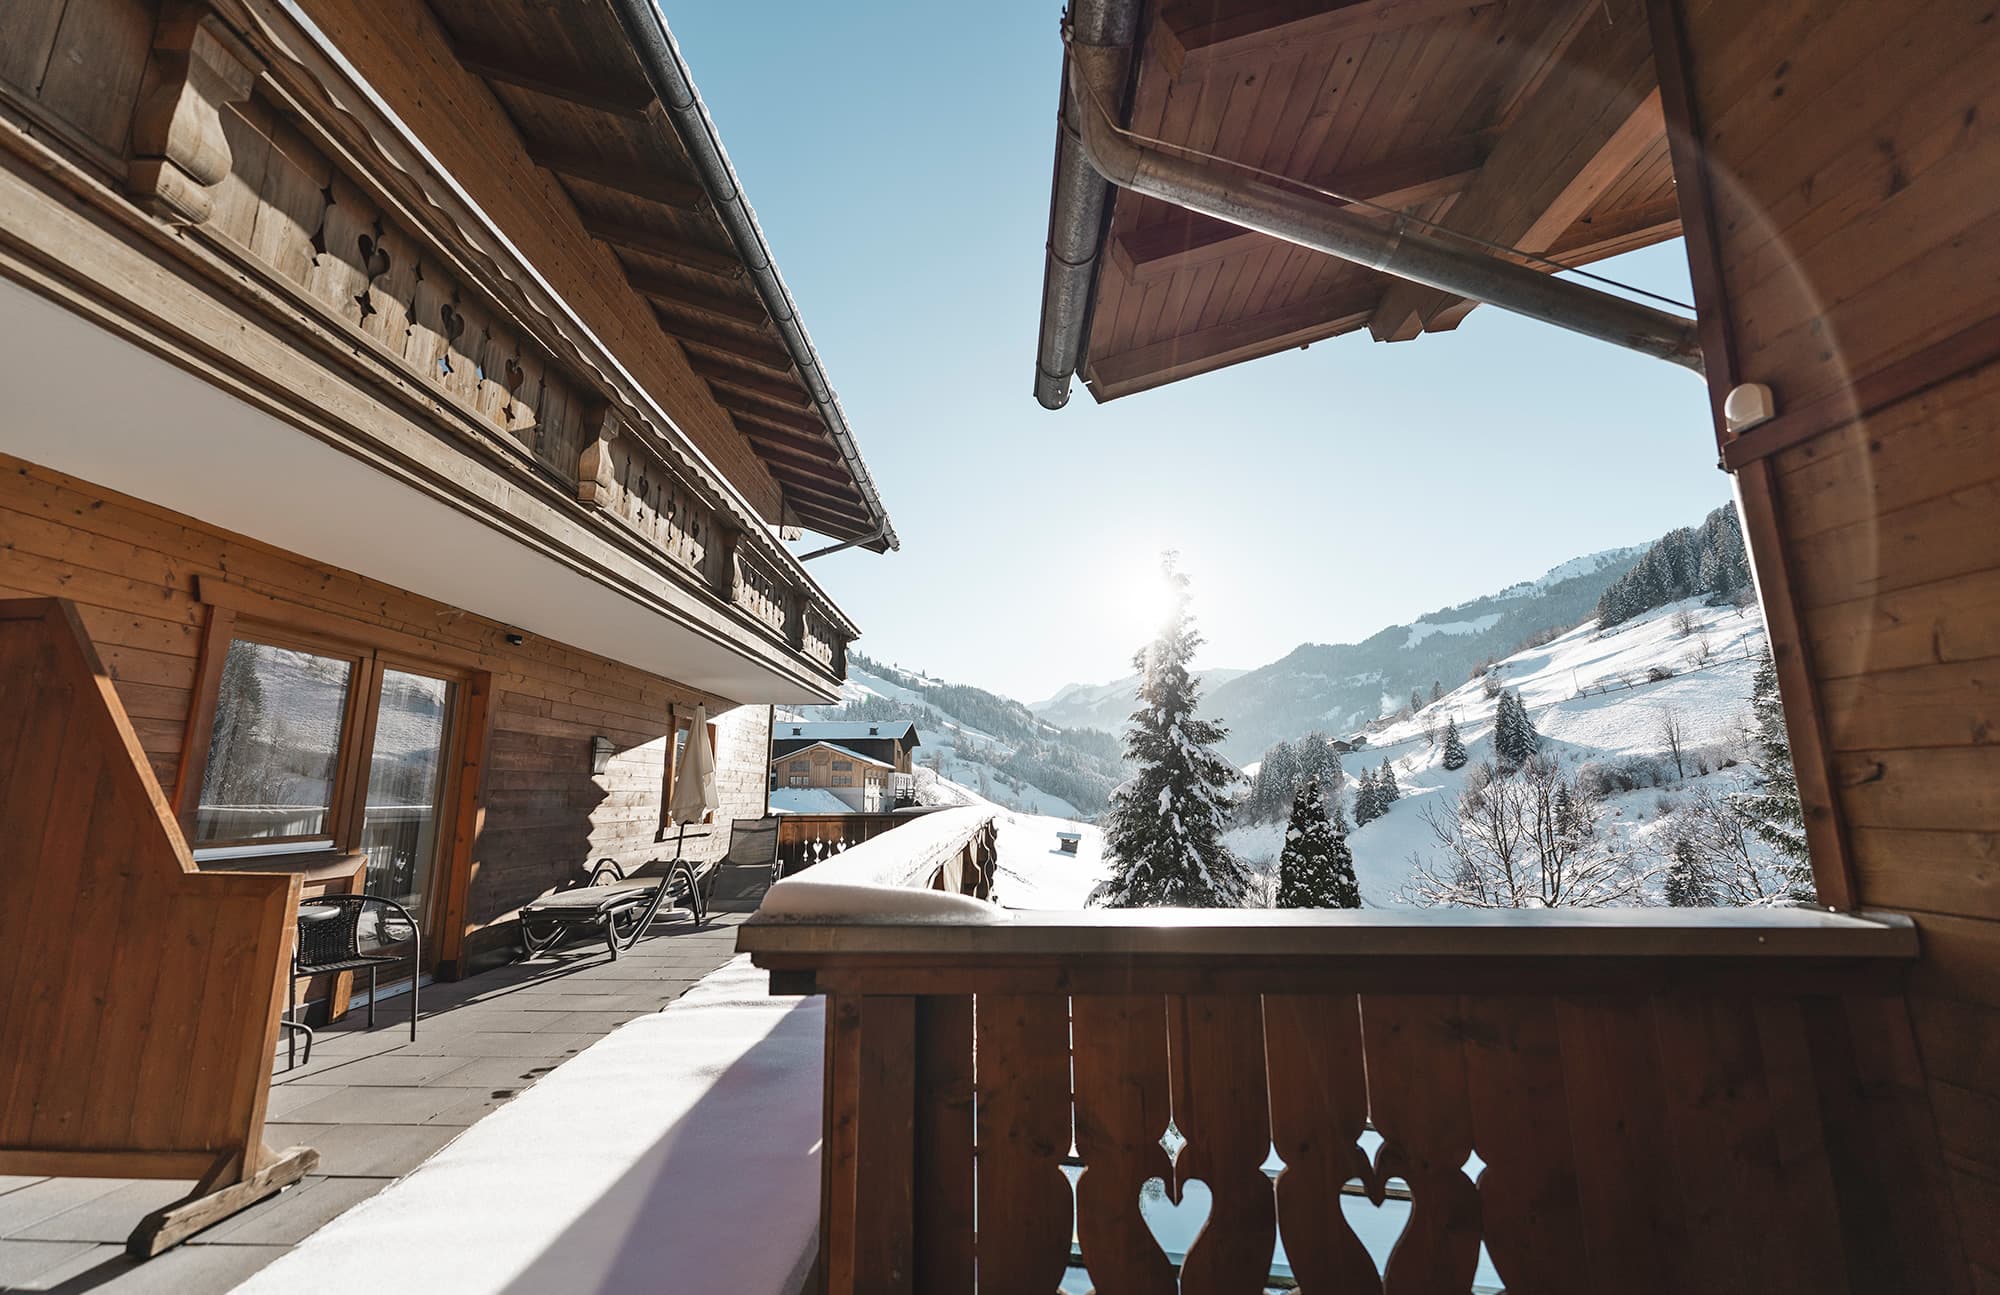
column 294, row 201
column 1641, row 1101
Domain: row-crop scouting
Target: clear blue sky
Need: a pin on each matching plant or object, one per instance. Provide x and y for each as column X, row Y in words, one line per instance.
column 898, row 156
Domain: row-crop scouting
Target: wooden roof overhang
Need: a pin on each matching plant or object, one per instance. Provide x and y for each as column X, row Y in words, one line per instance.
column 576, row 83
column 1532, row 125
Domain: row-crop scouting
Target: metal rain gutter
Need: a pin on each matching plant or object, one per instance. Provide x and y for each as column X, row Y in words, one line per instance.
column 1095, row 72
column 668, row 72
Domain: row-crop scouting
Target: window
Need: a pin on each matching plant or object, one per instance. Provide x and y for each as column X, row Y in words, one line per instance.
column 315, row 744
column 844, row 766
column 274, row 750
column 797, row 780
column 843, row 780
column 801, row 766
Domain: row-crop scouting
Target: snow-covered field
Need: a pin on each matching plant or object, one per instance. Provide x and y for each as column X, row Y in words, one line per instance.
column 1033, row 873
column 1591, row 698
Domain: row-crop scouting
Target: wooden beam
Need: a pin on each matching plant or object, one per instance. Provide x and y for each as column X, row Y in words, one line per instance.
column 1345, row 307
column 787, row 466
column 667, row 247
column 1188, row 238
column 666, row 292
column 633, row 180
column 633, row 102
column 1595, row 115
column 834, row 504
column 773, row 413
column 812, row 443
column 767, row 356
column 721, row 372
column 681, row 318
column 1618, row 231
column 1223, row 37
column 795, row 451
column 830, row 523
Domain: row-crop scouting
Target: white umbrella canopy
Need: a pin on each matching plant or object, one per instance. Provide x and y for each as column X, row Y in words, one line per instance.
column 694, row 776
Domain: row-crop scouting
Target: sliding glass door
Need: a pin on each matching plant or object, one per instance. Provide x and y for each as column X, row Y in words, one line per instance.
column 401, row 820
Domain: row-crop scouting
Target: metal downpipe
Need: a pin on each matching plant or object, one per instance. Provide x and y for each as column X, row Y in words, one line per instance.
column 1077, row 208
column 1269, row 208
column 668, row 72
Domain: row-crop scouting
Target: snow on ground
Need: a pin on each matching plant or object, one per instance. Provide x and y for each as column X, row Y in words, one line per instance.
column 807, row 800
column 1591, row 698
column 1033, row 873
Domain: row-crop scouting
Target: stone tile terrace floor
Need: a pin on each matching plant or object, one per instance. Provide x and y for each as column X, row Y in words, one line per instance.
column 373, row 1103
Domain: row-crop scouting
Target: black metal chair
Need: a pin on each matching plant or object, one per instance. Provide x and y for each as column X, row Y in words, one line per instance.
column 330, row 932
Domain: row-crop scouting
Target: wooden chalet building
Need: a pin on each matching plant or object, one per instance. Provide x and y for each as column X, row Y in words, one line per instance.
column 884, row 740
column 414, row 414
column 1657, row 1100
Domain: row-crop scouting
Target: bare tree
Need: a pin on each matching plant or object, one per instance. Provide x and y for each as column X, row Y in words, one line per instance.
column 1683, row 622
column 1526, row 841
column 1701, row 653
column 1673, row 733
column 1733, row 864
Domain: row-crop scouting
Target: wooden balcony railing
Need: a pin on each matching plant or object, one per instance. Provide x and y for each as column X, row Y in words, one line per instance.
column 807, row 839
column 942, row 849
column 1656, row 1100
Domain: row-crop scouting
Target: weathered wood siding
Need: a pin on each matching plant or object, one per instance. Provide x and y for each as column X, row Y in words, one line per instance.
column 1853, row 170
column 132, row 569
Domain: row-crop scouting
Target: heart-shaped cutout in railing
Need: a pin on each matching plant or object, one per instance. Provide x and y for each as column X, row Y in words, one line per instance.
column 1175, row 1224
column 1377, row 1216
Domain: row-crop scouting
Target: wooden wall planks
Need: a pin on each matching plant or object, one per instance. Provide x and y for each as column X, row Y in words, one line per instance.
column 1853, row 162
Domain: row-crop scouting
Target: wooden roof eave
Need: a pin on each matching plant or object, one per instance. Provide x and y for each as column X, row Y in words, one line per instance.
column 1601, row 197
column 714, row 317
column 310, row 69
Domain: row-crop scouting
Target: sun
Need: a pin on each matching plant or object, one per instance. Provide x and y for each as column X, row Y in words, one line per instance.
column 1139, row 601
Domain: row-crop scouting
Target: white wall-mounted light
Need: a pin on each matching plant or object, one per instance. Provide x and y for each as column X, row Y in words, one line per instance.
column 1746, row 406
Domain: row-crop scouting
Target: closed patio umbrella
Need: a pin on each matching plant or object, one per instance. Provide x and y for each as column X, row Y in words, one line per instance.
column 693, row 799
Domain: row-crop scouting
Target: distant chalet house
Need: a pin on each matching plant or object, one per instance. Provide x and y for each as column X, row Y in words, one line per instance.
column 411, row 412
column 863, row 782
column 888, row 742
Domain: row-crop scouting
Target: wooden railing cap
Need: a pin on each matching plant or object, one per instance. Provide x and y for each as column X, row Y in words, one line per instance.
column 1403, row 933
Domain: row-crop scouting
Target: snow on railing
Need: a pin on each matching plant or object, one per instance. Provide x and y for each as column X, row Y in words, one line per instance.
column 935, row 866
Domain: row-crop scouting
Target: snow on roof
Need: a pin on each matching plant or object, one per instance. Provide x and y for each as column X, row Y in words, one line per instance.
column 845, row 730
column 807, row 800
column 834, row 746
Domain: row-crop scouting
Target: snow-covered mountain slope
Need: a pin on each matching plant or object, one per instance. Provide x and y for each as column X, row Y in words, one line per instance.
column 1106, row 706
column 1597, row 698
column 1339, row 687
column 994, row 746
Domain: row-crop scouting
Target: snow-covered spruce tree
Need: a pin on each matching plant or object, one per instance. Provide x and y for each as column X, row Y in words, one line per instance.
column 1772, row 806
column 1385, row 785
column 1368, row 804
column 1687, row 880
column 1316, row 869
column 1514, row 738
column 1454, row 746
column 1163, row 832
column 1505, row 739
column 1319, row 762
